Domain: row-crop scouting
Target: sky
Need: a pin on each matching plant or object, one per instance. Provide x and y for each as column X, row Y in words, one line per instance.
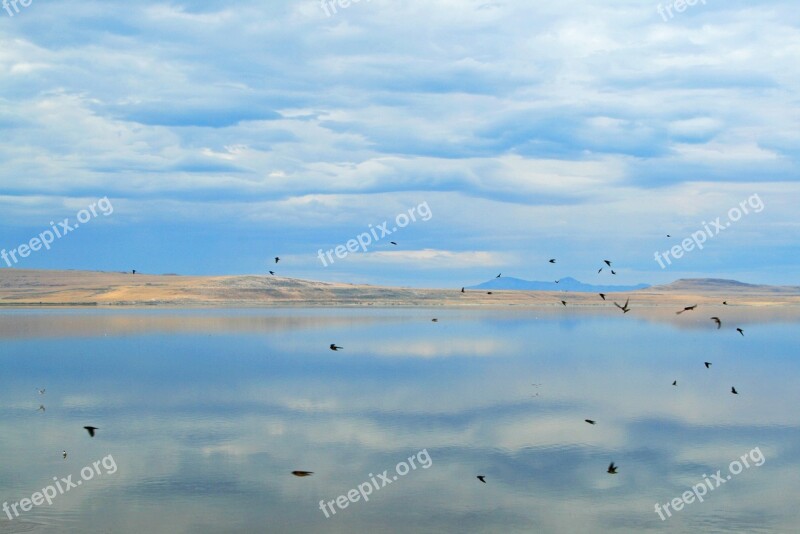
column 209, row 137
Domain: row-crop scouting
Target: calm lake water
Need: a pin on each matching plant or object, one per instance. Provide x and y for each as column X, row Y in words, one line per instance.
column 203, row 414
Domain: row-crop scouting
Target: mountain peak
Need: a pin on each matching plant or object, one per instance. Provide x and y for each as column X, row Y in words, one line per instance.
column 567, row 283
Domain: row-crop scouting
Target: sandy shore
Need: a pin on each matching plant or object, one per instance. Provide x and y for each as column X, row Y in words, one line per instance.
column 20, row 287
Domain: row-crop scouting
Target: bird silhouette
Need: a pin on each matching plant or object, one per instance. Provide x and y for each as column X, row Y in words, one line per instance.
column 612, row 469
column 591, row 422
column 602, row 296
column 675, row 383
column 41, row 408
column 41, row 391
column 708, row 364
column 272, row 273
column 64, row 454
column 133, row 271
column 740, row 331
column 302, row 473
column 462, row 289
column 687, row 308
column 482, row 478
column 716, row 320
column 553, row 260
column 393, row 243
column 335, row 347
column 607, row 263
column 434, row 320
column 613, row 271
column 498, row 276
column 564, row 302
column 488, row 292
column 725, row 302
column 277, row 259
column 599, row 270
column 733, row 390
column 557, row 281
column 90, row 430
column 623, row 308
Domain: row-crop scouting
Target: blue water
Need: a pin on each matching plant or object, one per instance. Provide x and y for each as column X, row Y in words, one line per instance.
column 205, row 413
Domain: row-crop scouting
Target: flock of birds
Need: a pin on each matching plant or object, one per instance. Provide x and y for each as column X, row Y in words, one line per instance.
column 612, row 468
column 90, row 429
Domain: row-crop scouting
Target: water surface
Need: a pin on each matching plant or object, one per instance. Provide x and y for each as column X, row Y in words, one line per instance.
column 206, row 412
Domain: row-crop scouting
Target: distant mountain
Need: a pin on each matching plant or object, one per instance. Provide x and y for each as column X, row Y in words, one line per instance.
column 719, row 285
column 565, row 284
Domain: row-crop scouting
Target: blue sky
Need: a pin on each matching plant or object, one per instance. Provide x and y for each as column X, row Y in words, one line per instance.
column 226, row 133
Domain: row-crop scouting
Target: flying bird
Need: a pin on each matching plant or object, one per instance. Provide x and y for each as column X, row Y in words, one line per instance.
column 553, row 260
column 393, row 242
column 725, row 302
column 277, row 259
column 41, row 408
column 90, row 430
column 462, row 289
column 669, row 235
column 708, row 364
column 733, row 390
column 335, row 347
column 623, row 308
column 589, row 421
column 482, row 478
column 498, row 276
column 602, row 296
column 302, row 473
column 557, row 281
column 64, row 454
column 564, row 302
column 740, row 331
column 687, row 308
column 134, row 271
column 607, row 263
column 613, row 271
column 41, row 391
column 675, row 383
column 488, row 292
column 599, row 270
column 434, row 320
column 272, row 273
column 612, row 469
column 716, row 320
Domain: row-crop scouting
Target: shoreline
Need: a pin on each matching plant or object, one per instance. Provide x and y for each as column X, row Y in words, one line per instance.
column 93, row 289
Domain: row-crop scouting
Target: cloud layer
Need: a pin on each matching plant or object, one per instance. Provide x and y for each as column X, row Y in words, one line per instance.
column 231, row 133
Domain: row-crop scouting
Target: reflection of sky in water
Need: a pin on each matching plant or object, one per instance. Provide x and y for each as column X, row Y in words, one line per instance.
column 207, row 412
